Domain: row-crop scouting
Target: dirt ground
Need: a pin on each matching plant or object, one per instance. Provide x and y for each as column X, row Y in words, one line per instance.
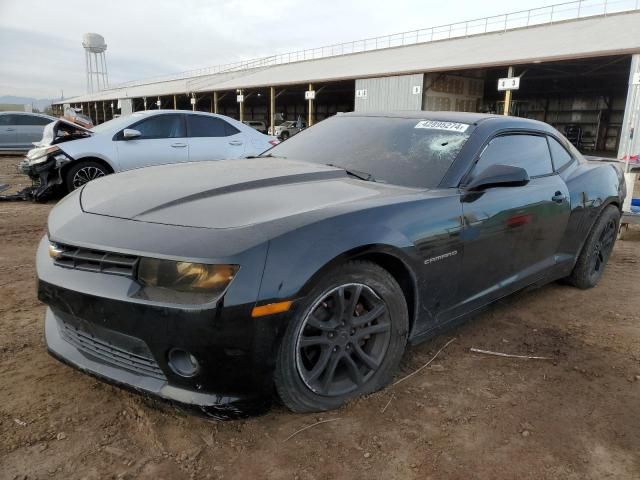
column 465, row 416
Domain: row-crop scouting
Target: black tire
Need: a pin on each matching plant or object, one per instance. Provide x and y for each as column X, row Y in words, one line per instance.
column 596, row 250
column 82, row 172
column 364, row 356
column 284, row 135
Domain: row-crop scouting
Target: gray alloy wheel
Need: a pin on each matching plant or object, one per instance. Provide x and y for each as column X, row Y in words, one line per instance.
column 343, row 340
column 346, row 338
column 84, row 172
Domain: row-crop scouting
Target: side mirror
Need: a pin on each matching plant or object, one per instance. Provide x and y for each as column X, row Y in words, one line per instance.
column 130, row 133
column 499, row 176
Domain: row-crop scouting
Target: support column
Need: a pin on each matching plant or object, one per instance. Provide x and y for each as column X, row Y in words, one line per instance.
column 629, row 148
column 175, row 103
column 241, row 105
column 507, row 95
column 215, row 102
column 272, row 109
column 104, row 112
column 193, row 100
column 144, row 99
column 311, row 102
column 630, row 136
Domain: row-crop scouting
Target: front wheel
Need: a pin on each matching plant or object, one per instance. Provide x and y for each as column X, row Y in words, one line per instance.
column 346, row 341
column 597, row 249
column 83, row 172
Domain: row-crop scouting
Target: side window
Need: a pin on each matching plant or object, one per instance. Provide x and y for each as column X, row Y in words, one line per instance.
column 203, row 126
column 32, row 120
column 8, row 119
column 161, row 126
column 559, row 154
column 230, row 129
column 530, row 152
column 42, row 121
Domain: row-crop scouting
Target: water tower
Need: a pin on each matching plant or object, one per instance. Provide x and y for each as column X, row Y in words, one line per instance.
column 96, row 61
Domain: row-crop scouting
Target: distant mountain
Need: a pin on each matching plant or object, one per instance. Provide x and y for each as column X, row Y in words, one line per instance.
column 38, row 103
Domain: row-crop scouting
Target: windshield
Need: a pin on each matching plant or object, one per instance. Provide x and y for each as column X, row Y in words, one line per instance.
column 402, row 151
column 114, row 124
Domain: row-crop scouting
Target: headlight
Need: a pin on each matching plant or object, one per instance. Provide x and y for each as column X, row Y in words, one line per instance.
column 40, row 154
column 183, row 282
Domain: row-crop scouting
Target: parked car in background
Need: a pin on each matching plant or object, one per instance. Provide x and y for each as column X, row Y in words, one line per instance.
column 310, row 270
column 257, row 125
column 287, row 129
column 73, row 155
column 19, row 130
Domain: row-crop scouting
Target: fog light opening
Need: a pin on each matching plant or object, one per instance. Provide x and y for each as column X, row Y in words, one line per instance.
column 183, row 363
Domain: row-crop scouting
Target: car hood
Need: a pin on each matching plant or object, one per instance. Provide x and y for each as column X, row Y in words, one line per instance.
column 62, row 130
column 225, row 194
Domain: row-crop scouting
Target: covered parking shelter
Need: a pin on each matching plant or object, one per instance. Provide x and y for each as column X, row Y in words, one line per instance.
column 577, row 64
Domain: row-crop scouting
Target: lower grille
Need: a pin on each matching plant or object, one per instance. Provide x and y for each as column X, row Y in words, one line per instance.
column 109, row 353
column 96, row 260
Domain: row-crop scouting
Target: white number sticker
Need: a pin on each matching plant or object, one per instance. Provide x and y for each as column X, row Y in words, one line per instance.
column 449, row 126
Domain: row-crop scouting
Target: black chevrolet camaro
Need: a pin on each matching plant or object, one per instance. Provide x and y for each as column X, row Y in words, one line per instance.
column 308, row 270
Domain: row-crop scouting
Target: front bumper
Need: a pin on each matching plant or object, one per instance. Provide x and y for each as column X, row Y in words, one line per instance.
column 211, row 404
column 46, row 175
column 94, row 325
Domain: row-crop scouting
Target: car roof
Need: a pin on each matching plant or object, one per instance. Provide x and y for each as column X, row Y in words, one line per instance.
column 36, row 114
column 498, row 121
column 170, row 110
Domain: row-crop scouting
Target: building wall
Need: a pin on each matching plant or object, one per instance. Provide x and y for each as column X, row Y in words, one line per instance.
column 15, row 107
column 389, row 93
column 452, row 93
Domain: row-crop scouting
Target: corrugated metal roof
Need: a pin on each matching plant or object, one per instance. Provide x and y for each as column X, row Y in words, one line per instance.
column 588, row 37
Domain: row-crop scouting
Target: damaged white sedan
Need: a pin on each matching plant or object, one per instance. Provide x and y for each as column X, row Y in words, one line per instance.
column 70, row 155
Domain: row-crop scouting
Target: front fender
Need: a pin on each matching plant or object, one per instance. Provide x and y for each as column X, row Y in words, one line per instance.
column 296, row 257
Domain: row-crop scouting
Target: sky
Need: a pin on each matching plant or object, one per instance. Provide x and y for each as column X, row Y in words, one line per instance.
column 41, row 52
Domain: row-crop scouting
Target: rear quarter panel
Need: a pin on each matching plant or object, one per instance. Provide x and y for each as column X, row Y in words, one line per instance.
column 592, row 186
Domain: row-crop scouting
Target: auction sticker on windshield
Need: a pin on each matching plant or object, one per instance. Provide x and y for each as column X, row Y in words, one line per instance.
column 449, row 126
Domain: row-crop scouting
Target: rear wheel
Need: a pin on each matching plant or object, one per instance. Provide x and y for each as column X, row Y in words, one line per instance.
column 597, row 249
column 83, row 172
column 346, row 341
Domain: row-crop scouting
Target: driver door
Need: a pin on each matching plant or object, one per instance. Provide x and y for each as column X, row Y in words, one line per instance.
column 511, row 234
column 162, row 140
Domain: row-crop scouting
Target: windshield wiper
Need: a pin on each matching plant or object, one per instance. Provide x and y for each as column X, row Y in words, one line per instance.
column 366, row 176
column 270, row 155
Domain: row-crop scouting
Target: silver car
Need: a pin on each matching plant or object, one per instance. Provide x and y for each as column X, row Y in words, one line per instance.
column 287, row 129
column 18, row 130
column 70, row 155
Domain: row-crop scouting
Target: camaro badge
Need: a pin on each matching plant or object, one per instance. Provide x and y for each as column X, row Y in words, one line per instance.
column 440, row 257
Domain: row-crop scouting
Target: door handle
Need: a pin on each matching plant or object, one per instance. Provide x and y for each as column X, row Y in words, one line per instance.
column 559, row 197
column 235, row 143
column 178, row 145
column 11, row 129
